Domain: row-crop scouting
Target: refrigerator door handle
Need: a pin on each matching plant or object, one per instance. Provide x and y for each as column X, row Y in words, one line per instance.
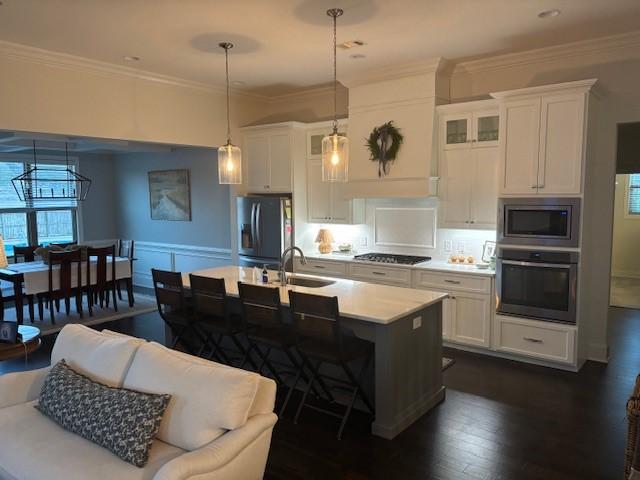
column 258, row 232
column 254, row 241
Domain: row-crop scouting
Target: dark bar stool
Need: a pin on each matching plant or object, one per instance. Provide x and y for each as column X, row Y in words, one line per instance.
column 262, row 316
column 173, row 309
column 212, row 317
column 320, row 339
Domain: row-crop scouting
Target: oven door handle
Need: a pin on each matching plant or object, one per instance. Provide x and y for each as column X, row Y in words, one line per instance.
column 534, row 264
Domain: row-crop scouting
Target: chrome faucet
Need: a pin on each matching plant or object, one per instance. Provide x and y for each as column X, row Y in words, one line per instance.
column 283, row 271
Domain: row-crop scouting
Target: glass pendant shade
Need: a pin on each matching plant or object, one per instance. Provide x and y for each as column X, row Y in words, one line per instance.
column 335, row 158
column 229, row 164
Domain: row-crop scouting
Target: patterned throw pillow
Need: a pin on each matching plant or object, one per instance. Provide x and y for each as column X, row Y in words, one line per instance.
column 120, row 420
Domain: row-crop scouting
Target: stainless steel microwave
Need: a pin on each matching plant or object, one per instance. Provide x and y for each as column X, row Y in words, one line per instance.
column 550, row 222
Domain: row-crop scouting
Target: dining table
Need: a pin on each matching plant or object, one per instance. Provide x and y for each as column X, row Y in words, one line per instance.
column 32, row 278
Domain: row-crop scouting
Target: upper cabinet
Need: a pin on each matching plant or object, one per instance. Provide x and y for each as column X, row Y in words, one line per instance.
column 543, row 139
column 326, row 202
column 268, row 157
column 468, row 166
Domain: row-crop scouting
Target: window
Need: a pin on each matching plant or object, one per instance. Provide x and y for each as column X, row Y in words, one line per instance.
column 31, row 223
column 633, row 194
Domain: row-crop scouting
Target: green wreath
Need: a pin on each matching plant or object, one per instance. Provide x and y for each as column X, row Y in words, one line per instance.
column 383, row 144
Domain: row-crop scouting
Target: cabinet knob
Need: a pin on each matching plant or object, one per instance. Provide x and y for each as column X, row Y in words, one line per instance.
column 534, row 186
column 266, row 186
column 472, row 221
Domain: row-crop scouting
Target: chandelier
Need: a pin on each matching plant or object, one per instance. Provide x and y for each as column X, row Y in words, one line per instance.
column 50, row 182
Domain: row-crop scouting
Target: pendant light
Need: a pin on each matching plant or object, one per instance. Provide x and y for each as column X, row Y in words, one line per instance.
column 229, row 156
column 335, row 147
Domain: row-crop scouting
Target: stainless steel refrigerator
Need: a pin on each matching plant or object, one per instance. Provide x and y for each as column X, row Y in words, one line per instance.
column 265, row 229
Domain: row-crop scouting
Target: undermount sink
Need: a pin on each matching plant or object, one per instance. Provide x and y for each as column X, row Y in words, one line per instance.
column 309, row 282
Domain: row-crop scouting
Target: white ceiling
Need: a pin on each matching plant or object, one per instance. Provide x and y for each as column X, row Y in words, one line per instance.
column 284, row 45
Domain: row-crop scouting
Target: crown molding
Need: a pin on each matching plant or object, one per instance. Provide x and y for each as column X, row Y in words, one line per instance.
column 577, row 86
column 25, row 53
column 630, row 40
column 393, row 72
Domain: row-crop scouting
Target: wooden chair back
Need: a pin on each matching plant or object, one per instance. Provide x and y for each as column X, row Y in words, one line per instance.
column 64, row 245
column 67, row 261
column 103, row 265
column 125, row 249
column 261, row 306
column 26, row 253
column 169, row 293
column 209, row 296
column 315, row 316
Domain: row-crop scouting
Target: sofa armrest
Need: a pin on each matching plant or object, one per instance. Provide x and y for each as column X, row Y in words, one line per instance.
column 238, row 454
column 21, row 387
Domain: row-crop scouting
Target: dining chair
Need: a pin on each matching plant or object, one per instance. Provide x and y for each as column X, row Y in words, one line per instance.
column 174, row 310
column 212, row 317
column 126, row 250
column 320, row 339
column 104, row 280
column 62, row 265
column 27, row 254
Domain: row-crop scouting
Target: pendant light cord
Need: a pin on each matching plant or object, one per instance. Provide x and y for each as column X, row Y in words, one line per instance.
column 335, row 74
column 226, row 47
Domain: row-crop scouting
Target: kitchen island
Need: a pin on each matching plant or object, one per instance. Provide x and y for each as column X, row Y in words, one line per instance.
column 404, row 324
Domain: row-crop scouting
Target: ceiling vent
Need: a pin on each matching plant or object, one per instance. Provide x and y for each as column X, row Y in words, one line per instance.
column 351, row 44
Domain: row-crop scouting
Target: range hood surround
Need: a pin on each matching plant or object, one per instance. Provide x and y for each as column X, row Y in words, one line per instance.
column 408, row 95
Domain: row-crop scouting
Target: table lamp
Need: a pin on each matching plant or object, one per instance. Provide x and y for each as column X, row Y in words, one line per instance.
column 3, row 256
column 324, row 239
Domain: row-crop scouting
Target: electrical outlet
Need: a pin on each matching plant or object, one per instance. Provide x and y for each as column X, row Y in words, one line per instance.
column 363, row 241
column 448, row 246
column 417, row 322
column 461, row 246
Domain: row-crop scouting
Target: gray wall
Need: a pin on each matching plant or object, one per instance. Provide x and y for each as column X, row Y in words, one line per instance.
column 99, row 209
column 209, row 225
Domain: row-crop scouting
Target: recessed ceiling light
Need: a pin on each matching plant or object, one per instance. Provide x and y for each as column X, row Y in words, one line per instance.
column 357, row 56
column 351, row 44
column 131, row 58
column 549, row 13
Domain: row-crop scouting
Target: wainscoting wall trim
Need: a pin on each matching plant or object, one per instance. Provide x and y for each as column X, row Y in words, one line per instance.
column 174, row 257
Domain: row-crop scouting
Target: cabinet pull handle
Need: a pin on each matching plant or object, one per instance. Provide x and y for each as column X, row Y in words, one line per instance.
column 532, row 340
column 472, row 221
column 319, row 266
column 379, row 273
column 534, row 186
column 455, row 282
column 541, row 186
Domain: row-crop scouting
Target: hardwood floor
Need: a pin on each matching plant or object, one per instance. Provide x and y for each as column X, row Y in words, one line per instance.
column 501, row 420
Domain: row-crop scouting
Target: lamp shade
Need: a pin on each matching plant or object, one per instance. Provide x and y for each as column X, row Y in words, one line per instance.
column 229, row 164
column 3, row 256
column 335, row 158
column 324, row 238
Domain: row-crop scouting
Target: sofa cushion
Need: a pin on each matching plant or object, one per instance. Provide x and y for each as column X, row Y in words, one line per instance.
column 206, row 399
column 102, row 357
column 121, row 420
column 33, row 446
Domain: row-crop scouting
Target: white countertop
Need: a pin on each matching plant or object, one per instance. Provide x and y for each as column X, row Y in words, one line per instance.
column 436, row 265
column 360, row 300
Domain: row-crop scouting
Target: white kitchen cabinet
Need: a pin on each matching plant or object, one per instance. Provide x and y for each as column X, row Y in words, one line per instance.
column 469, row 165
column 326, row 202
column 268, row 154
column 325, row 268
column 470, row 319
column 543, row 139
column 384, row 275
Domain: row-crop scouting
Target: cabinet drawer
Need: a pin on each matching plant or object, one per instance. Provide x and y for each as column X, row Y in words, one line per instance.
column 547, row 341
column 384, row 275
column 322, row 267
column 451, row 281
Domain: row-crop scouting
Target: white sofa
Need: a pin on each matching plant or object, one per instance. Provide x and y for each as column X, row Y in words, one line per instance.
column 218, row 424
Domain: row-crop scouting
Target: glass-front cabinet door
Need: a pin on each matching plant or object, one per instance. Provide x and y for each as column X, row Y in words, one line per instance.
column 486, row 126
column 457, row 131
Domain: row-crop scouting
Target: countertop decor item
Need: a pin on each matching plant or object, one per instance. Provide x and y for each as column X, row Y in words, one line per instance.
column 229, row 155
column 325, row 239
column 3, row 255
column 384, row 143
column 335, row 147
column 51, row 182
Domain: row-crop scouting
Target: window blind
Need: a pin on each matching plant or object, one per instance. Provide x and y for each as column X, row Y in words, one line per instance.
column 634, row 194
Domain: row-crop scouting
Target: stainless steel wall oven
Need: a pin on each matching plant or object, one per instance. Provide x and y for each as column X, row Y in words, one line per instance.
column 538, row 284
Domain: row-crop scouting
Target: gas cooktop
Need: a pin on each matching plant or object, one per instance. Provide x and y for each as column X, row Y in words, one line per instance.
column 391, row 258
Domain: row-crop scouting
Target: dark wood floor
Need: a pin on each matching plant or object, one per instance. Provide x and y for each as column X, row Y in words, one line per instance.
column 501, row 420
